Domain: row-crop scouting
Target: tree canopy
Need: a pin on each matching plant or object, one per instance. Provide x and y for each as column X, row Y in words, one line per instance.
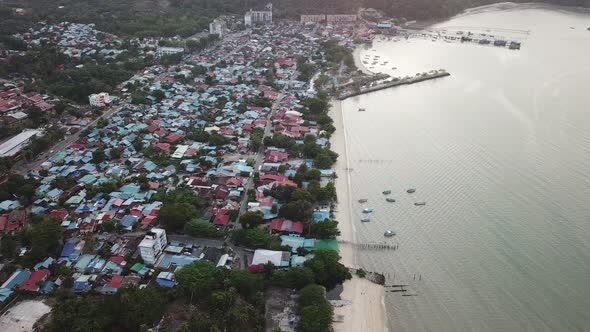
column 327, row 270
column 129, row 309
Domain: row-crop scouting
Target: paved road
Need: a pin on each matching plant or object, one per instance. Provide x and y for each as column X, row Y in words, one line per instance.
column 259, row 159
column 25, row 167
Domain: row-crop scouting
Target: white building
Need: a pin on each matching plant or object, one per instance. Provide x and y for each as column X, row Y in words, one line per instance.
column 14, row 145
column 99, row 99
column 180, row 151
column 258, row 16
column 313, row 18
column 152, row 245
column 341, row 18
column 161, row 51
column 217, row 27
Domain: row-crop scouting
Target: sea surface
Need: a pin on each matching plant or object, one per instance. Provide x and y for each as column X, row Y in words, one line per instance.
column 500, row 153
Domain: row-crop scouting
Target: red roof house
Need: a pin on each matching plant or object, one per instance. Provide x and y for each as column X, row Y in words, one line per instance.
column 163, row 148
column 282, row 225
column 221, row 218
column 60, row 214
column 36, row 276
column 172, row 138
column 276, row 156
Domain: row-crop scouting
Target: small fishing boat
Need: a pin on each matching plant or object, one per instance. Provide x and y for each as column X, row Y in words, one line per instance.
column 386, row 192
column 363, row 200
column 389, row 233
column 411, row 191
column 362, row 109
column 390, row 200
column 365, row 219
column 367, row 210
column 420, row 203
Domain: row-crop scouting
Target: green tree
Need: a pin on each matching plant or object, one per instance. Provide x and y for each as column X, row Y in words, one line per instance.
column 202, row 228
column 251, row 219
column 297, row 210
column 327, row 270
column 216, row 139
column 98, row 156
column 137, row 307
column 246, row 283
column 5, row 165
column 327, row 229
column 198, row 279
column 295, row 277
column 115, row 153
column 8, row 245
column 174, row 216
column 316, row 318
column 159, row 95
column 45, row 240
column 254, row 237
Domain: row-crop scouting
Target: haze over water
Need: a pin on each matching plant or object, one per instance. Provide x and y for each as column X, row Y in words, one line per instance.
column 500, row 152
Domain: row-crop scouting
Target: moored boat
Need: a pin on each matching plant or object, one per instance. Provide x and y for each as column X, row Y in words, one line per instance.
column 390, row 200
column 367, row 210
column 365, row 219
column 386, row 192
column 420, row 203
column 389, row 233
column 411, row 191
column 363, row 200
column 362, row 109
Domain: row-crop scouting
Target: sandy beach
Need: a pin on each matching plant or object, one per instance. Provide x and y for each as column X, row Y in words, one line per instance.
column 367, row 311
column 359, row 62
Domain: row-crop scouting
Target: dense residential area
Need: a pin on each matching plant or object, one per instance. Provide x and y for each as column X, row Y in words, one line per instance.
column 195, row 188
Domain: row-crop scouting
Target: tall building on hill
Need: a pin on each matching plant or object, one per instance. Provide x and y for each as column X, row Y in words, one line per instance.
column 258, row 16
column 217, row 27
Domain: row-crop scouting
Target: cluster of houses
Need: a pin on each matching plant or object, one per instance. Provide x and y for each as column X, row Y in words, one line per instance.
column 118, row 167
column 102, row 266
column 74, row 39
column 15, row 103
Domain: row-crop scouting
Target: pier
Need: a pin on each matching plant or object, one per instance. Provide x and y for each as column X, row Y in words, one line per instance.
column 372, row 245
column 396, row 82
column 469, row 37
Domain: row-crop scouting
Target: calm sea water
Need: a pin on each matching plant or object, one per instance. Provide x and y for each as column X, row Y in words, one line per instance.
column 500, row 152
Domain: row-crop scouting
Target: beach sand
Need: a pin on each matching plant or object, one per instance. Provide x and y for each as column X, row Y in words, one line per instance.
column 359, row 62
column 367, row 311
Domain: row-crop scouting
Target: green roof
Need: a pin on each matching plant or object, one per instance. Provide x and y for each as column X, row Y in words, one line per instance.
column 137, row 267
column 325, row 244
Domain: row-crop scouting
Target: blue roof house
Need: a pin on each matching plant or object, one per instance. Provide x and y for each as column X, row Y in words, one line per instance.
column 127, row 222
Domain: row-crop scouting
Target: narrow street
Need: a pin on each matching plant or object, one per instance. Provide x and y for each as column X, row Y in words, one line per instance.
column 259, row 159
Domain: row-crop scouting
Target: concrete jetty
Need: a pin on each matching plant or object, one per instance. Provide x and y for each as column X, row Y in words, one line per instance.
column 401, row 81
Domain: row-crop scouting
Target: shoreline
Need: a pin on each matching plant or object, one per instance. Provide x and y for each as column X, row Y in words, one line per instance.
column 356, row 54
column 367, row 309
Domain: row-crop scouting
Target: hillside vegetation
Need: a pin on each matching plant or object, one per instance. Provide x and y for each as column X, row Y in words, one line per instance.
column 187, row 17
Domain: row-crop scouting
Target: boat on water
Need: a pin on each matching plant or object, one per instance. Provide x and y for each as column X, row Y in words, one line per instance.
column 362, row 109
column 411, row 191
column 365, row 219
column 420, row 203
column 389, row 233
column 390, row 200
column 363, row 200
column 367, row 210
column 386, row 192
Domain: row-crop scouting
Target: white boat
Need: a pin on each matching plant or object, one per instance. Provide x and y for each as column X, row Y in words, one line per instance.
column 389, row 233
column 367, row 210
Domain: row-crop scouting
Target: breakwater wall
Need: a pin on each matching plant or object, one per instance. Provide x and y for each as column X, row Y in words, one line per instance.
column 402, row 81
